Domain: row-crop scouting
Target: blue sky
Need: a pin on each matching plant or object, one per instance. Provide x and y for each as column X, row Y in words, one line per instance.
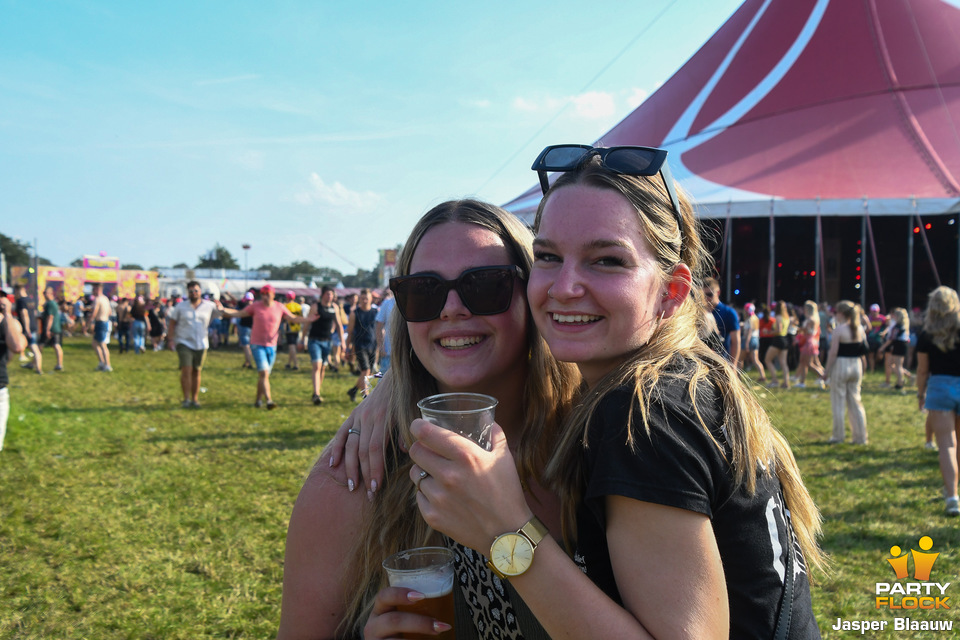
column 315, row 131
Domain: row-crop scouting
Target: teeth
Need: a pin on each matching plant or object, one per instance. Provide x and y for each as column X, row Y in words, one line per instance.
column 459, row 343
column 579, row 319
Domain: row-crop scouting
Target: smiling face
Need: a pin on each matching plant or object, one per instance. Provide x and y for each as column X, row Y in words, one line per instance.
column 462, row 351
column 595, row 289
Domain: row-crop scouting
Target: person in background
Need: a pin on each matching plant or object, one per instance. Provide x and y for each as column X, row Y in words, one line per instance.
column 187, row 334
column 51, row 326
column 322, row 325
column 139, row 325
column 728, row 322
column 877, row 325
column 267, row 314
column 123, row 323
column 938, row 384
column 13, row 342
column 363, row 342
column 244, row 326
column 79, row 310
column 844, row 371
column 809, row 345
column 779, row 348
column 155, row 318
column 383, row 329
column 293, row 330
column 99, row 323
column 347, row 357
column 26, row 310
column 895, row 345
column 752, row 340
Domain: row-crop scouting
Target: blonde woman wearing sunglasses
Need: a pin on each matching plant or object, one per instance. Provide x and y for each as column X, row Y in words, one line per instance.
column 468, row 328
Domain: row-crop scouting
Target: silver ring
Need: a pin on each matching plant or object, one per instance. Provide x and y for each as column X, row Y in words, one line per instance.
column 349, row 431
column 423, row 474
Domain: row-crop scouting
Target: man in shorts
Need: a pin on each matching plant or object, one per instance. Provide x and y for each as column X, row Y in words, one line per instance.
column 267, row 313
column 26, row 308
column 51, row 327
column 188, row 324
column 100, row 321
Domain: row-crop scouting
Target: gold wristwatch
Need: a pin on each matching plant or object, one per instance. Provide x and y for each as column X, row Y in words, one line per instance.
column 511, row 554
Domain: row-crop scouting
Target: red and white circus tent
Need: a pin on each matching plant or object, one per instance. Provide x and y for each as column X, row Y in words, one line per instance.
column 812, row 108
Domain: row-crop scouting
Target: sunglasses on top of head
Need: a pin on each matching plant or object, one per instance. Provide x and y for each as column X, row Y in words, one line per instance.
column 628, row 161
column 484, row 291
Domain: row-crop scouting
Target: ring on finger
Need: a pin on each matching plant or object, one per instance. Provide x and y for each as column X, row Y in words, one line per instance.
column 351, row 430
column 423, row 474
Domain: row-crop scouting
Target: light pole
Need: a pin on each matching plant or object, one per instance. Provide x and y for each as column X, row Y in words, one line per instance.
column 246, row 253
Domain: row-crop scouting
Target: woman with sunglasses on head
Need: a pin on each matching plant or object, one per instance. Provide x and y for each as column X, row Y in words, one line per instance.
column 683, row 506
column 460, row 289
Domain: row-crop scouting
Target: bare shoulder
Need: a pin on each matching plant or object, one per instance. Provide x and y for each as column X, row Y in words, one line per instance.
column 326, row 520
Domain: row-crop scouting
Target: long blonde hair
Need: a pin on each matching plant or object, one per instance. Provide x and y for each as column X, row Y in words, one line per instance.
column 851, row 313
column 675, row 345
column 902, row 318
column 393, row 521
column 942, row 321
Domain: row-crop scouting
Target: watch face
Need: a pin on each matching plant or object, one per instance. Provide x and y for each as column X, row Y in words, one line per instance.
column 511, row 554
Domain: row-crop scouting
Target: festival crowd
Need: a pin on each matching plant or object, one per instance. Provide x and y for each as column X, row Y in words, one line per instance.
column 630, row 451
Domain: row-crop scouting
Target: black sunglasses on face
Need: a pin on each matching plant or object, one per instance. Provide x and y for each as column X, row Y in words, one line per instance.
column 629, row 161
column 484, row 291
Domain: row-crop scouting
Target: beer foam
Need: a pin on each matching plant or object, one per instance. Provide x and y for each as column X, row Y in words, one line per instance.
column 429, row 584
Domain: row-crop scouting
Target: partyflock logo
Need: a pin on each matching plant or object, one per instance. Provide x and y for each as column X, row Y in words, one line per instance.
column 914, row 597
column 920, row 593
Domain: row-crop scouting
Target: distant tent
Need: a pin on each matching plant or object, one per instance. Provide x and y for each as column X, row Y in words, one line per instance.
column 822, row 109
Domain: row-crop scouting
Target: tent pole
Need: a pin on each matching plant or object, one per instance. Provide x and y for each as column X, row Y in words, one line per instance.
column 728, row 234
column 771, row 272
column 910, row 257
column 863, row 256
column 817, row 250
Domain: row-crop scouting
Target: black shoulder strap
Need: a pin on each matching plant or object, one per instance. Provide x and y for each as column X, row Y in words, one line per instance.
column 786, row 599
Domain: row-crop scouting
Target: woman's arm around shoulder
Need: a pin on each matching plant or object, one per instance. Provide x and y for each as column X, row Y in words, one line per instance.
column 325, row 523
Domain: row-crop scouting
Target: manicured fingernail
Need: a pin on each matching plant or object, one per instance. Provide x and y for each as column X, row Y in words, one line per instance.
column 440, row 627
column 332, row 460
column 415, row 596
column 373, row 485
column 350, row 485
column 370, row 495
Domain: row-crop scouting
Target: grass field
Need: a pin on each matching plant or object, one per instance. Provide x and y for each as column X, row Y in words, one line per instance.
column 124, row 516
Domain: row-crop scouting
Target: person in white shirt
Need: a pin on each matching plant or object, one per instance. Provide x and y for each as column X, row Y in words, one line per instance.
column 187, row 326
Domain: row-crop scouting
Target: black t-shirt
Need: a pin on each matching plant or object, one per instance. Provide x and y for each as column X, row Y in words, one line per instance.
column 31, row 307
column 4, row 354
column 248, row 320
column 680, row 465
column 941, row 363
column 326, row 325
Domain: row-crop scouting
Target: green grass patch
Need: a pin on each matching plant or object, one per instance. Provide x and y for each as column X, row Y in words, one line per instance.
column 124, row 516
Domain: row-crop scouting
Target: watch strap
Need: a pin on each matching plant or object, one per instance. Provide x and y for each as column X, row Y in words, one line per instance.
column 534, row 530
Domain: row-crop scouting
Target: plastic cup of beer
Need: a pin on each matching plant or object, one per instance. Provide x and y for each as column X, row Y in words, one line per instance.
column 428, row 570
column 469, row 414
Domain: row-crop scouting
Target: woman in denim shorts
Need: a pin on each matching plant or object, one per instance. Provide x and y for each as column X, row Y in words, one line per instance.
column 938, row 384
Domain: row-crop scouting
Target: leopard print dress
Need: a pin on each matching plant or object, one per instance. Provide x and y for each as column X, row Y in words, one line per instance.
column 497, row 611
